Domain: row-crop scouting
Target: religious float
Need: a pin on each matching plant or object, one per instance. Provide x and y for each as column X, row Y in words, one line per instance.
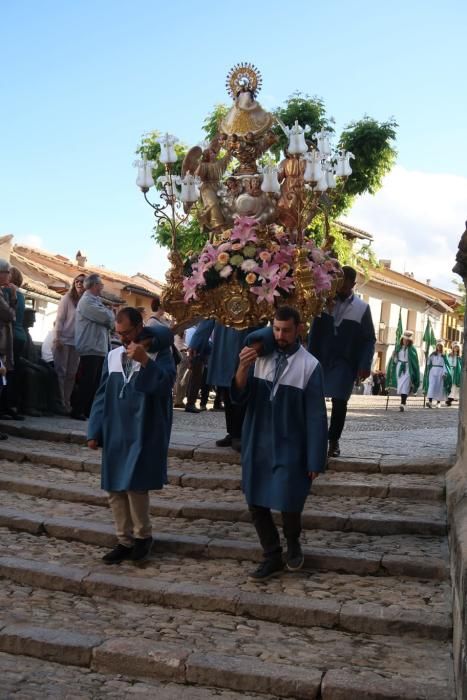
column 258, row 252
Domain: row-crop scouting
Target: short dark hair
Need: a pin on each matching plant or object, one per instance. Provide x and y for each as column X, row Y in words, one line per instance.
column 155, row 303
column 133, row 315
column 349, row 273
column 285, row 313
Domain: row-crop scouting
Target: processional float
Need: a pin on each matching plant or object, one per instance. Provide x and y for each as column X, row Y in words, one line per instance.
column 259, row 253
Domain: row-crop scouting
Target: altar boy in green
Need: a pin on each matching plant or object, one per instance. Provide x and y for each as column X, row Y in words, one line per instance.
column 131, row 418
column 284, row 438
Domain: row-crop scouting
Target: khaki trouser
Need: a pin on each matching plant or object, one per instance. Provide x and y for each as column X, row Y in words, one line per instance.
column 130, row 510
column 181, row 383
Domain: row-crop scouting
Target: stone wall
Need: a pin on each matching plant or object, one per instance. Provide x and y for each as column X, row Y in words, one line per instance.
column 456, row 496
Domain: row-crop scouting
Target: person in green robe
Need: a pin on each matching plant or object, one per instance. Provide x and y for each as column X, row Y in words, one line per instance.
column 403, row 370
column 437, row 379
column 455, row 360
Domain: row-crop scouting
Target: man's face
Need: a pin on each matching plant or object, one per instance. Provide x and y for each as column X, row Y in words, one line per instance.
column 285, row 332
column 126, row 332
column 96, row 289
column 346, row 289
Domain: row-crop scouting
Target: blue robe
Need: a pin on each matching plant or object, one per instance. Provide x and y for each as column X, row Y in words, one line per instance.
column 283, row 439
column 226, row 346
column 344, row 343
column 134, row 428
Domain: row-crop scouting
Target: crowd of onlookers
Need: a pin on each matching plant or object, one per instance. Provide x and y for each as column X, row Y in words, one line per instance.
column 62, row 376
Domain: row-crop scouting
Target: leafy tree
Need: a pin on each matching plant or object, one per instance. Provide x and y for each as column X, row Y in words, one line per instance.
column 461, row 290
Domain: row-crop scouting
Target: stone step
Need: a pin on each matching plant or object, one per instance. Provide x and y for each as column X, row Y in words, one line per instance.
column 33, row 679
column 419, row 598
column 355, row 553
column 190, row 473
column 220, row 650
column 209, row 452
column 368, row 515
column 257, row 602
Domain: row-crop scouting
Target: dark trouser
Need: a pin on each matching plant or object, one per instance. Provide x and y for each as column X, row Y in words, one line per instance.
column 204, row 393
column 338, row 413
column 194, row 383
column 268, row 533
column 403, row 399
column 10, row 393
column 234, row 415
column 90, row 376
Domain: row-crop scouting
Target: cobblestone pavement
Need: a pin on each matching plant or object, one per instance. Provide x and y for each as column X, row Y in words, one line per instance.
column 369, row 616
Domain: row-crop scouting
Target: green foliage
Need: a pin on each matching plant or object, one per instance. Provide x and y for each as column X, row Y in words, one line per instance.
column 371, row 143
column 461, row 290
column 213, row 120
column 190, row 237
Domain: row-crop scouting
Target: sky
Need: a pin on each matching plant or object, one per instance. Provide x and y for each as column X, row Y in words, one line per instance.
column 82, row 80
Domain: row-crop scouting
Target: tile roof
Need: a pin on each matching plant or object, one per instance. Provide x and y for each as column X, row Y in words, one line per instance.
column 70, row 269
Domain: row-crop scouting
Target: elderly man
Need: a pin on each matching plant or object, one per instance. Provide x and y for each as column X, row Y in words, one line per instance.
column 132, row 418
column 93, row 322
column 284, row 438
column 343, row 339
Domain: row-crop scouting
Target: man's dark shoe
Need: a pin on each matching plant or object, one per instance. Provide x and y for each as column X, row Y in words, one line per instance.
column 141, row 549
column 118, row 554
column 192, row 409
column 3, row 436
column 225, row 442
column 295, row 558
column 14, row 415
column 267, row 569
column 78, row 416
column 236, row 444
column 334, row 449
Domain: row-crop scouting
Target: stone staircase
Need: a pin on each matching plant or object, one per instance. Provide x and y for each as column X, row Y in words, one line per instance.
column 368, row 619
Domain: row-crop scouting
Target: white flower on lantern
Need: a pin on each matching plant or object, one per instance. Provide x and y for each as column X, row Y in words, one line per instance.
column 168, row 154
column 270, row 182
column 144, row 179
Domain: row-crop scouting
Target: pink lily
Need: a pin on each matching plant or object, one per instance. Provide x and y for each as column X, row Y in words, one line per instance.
column 266, row 292
column 266, row 271
column 243, row 229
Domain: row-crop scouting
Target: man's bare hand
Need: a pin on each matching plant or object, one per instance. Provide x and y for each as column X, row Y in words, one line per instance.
column 313, row 475
column 138, row 353
column 92, row 444
column 247, row 357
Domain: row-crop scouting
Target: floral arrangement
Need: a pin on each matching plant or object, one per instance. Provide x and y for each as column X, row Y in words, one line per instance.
column 264, row 266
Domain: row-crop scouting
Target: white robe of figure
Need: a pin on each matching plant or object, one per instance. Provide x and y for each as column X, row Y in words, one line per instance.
column 403, row 379
column 454, row 393
column 367, row 386
column 436, row 380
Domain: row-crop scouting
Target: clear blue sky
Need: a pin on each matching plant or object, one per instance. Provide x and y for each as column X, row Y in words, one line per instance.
column 81, row 80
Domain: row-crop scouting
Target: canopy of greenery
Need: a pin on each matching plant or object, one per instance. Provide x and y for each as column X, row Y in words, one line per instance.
column 371, row 142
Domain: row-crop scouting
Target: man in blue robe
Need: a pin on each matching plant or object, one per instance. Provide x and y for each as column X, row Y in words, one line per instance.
column 223, row 357
column 131, row 418
column 284, row 439
column 343, row 339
